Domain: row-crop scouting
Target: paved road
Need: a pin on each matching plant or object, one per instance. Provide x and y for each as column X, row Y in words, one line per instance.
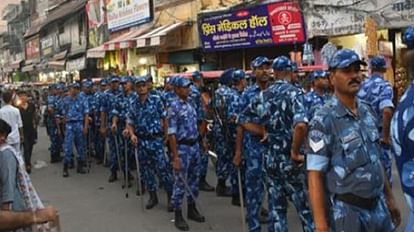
column 89, row 203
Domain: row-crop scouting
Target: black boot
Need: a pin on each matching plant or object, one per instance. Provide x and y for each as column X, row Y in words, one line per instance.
column 72, row 164
column 113, row 177
column 169, row 205
column 235, row 200
column 152, row 201
column 204, row 186
column 179, row 221
column 65, row 170
column 193, row 213
column 222, row 190
column 81, row 167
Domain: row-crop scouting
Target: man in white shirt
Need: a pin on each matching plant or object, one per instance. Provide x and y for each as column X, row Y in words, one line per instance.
column 11, row 115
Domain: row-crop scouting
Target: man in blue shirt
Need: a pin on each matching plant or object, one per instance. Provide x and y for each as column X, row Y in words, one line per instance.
column 99, row 139
column 185, row 153
column 316, row 98
column 402, row 132
column 148, row 128
column 378, row 93
column 343, row 161
column 75, row 110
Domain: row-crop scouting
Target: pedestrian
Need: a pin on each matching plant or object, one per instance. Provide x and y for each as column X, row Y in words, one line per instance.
column 28, row 115
column 402, row 131
column 147, row 120
column 11, row 115
column 183, row 139
column 75, row 112
column 253, row 149
column 195, row 95
column 347, row 188
column 278, row 117
column 18, row 193
column 378, row 93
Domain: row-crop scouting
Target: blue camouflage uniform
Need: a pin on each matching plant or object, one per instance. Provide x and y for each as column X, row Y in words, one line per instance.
column 314, row 101
column 221, row 129
column 120, row 107
column 378, row 93
column 195, row 96
column 253, row 156
column 74, row 111
column 402, row 135
column 279, row 109
column 182, row 122
column 51, row 125
column 99, row 139
column 146, row 117
column 110, row 100
column 345, row 148
column 91, row 103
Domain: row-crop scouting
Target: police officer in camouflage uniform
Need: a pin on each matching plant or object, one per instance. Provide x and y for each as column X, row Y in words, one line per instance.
column 402, row 132
column 238, row 79
column 343, row 161
column 221, row 103
column 118, row 116
column 88, row 94
column 51, row 125
column 148, row 127
column 185, row 153
column 282, row 120
column 316, row 98
column 99, row 139
column 195, row 95
column 253, row 147
column 75, row 110
column 378, row 93
column 111, row 96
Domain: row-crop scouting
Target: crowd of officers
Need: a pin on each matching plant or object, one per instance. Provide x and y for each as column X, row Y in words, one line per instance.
column 327, row 150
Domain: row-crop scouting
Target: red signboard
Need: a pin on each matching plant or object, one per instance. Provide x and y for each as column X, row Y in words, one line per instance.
column 286, row 22
column 32, row 49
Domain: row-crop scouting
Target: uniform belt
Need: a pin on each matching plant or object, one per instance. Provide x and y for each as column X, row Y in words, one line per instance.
column 73, row 121
column 150, row 136
column 188, row 142
column 361, row 202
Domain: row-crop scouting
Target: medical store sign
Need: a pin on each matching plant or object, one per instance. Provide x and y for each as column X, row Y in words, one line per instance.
column 265, row 25
column 123, row 14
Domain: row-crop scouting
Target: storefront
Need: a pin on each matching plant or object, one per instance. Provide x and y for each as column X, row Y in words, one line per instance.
column 233, row 38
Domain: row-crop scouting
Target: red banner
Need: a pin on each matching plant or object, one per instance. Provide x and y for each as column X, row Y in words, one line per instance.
column 287, row 22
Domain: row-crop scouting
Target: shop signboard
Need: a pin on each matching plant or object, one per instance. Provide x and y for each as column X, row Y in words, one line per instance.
column 127, row 13
column 32, row 49
column 264, row 25
column 76, row 64
column 332, row 17
column 47, row 45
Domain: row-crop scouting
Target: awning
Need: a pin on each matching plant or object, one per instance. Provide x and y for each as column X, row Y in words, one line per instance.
column 28, row 68
column 16, row 64
column 156, row 34
column 57, row 64
column 98, row 52
column 126, row 40
column 76, row 64
column 60, row 55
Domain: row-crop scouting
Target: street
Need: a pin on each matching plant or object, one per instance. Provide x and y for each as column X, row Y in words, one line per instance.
column 89, row 203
